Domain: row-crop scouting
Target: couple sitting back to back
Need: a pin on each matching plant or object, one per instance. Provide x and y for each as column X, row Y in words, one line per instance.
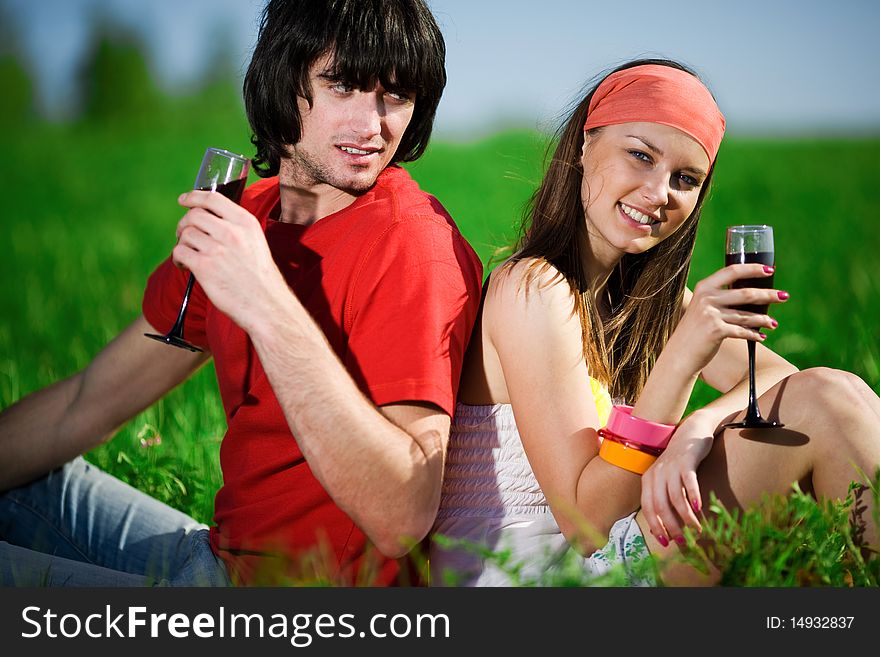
column 342, row 308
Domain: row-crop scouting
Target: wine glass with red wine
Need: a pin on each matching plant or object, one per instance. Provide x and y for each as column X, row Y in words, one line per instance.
column 749, row 244
column 222, row 172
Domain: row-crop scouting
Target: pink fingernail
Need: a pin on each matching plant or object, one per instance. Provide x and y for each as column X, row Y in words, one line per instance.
column 680, row 540
column 768, row 269
column 696, row 505
column 783, row 295
column 663, row 541
column 774, row 323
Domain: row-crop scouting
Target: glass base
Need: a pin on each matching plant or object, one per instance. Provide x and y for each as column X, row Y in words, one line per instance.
column 174, row 341
column 760, row 423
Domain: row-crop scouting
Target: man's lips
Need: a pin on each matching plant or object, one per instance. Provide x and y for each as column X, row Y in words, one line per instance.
column 358, row 150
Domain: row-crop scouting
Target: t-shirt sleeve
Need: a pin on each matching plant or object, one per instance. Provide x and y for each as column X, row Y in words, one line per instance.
column 410, row 314
column 163, row 296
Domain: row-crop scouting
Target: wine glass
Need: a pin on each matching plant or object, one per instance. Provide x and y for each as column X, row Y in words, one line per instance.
column 748, row 244
column 222, row 172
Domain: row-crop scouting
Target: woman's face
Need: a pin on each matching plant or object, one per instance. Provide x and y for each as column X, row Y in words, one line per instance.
column 641, row 182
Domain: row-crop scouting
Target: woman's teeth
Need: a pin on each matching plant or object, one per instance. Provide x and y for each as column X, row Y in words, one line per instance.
column 635, row 215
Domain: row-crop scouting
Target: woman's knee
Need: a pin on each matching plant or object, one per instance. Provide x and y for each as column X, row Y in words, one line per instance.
column 833, row 407
column 826, row 389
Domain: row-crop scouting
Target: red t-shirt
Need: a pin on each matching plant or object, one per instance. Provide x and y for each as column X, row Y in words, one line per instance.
column 395, row 288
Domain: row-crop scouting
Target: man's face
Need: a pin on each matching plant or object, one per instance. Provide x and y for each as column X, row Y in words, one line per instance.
column 349, row 135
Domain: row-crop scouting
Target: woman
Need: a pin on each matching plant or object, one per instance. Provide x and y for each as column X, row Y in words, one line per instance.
column 594, row 306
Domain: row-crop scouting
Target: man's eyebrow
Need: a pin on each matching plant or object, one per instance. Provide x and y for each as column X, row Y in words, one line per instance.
column 652, row 147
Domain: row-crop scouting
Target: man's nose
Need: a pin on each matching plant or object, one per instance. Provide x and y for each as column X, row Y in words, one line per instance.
column 367, row 112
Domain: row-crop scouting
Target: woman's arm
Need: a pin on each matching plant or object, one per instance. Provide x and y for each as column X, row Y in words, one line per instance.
column 670, row 489
column 728, row 372
column 535, row 330
column 699, row 346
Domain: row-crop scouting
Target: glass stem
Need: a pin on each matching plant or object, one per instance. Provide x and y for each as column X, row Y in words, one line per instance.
column 177, row 329
column 753, row 412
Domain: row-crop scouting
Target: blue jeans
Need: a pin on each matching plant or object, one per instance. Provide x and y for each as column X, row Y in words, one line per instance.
column 79, row 526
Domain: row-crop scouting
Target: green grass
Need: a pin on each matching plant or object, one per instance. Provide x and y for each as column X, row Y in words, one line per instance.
column 90, row 209
column 783, row 542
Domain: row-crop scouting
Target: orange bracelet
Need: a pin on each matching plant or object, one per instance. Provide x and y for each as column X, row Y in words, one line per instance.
column 625, row 457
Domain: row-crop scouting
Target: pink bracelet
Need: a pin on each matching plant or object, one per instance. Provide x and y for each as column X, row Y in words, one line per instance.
column 633, row 429
column 607, row 435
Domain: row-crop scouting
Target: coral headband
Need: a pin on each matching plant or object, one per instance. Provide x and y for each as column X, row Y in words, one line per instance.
column 659, row 94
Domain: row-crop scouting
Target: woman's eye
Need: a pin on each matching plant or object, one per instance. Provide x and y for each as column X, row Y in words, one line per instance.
column 342, row 87
column 690, row 181
column 639, row 155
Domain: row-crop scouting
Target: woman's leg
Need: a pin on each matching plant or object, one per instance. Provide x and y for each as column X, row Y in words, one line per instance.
column 831, row 436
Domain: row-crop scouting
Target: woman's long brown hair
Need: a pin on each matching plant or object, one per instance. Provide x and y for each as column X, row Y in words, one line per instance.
column 645, row 290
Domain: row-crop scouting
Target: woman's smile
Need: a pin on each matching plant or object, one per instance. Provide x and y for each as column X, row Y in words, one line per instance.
column 636, row 217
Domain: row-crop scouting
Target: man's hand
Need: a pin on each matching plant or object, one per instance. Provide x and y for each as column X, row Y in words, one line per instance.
column 223, row 245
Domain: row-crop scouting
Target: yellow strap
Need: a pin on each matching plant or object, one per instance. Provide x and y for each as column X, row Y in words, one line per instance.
column 602, row 399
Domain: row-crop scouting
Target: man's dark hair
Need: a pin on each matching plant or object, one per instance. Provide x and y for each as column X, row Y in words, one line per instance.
column 394, row 42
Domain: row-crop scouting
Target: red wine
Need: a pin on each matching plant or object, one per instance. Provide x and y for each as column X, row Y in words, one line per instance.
column 765, row 282
column 231, row 190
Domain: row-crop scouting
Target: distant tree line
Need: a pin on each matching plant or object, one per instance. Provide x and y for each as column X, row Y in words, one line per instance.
column 113, row 83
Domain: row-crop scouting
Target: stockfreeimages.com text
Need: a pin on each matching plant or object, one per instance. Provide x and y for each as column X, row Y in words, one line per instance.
column 299, row 629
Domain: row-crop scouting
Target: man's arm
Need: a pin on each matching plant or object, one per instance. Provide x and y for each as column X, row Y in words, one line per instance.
column 51, row 426
column 383, row 467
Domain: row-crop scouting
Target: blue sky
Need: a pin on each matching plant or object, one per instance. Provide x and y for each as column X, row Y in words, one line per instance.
column 776, row 66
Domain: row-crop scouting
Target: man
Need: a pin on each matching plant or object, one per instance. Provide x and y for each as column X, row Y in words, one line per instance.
column 336, row 301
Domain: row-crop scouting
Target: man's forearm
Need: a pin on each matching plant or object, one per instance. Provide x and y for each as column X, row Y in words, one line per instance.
column 387, row 480
column 29, row 445
column 49, row 427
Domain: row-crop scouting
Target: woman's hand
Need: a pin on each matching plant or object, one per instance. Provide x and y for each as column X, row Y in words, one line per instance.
column 670, row 490
column 713, row 313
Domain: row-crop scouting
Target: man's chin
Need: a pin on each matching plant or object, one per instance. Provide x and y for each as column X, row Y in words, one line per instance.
column 360, row 183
